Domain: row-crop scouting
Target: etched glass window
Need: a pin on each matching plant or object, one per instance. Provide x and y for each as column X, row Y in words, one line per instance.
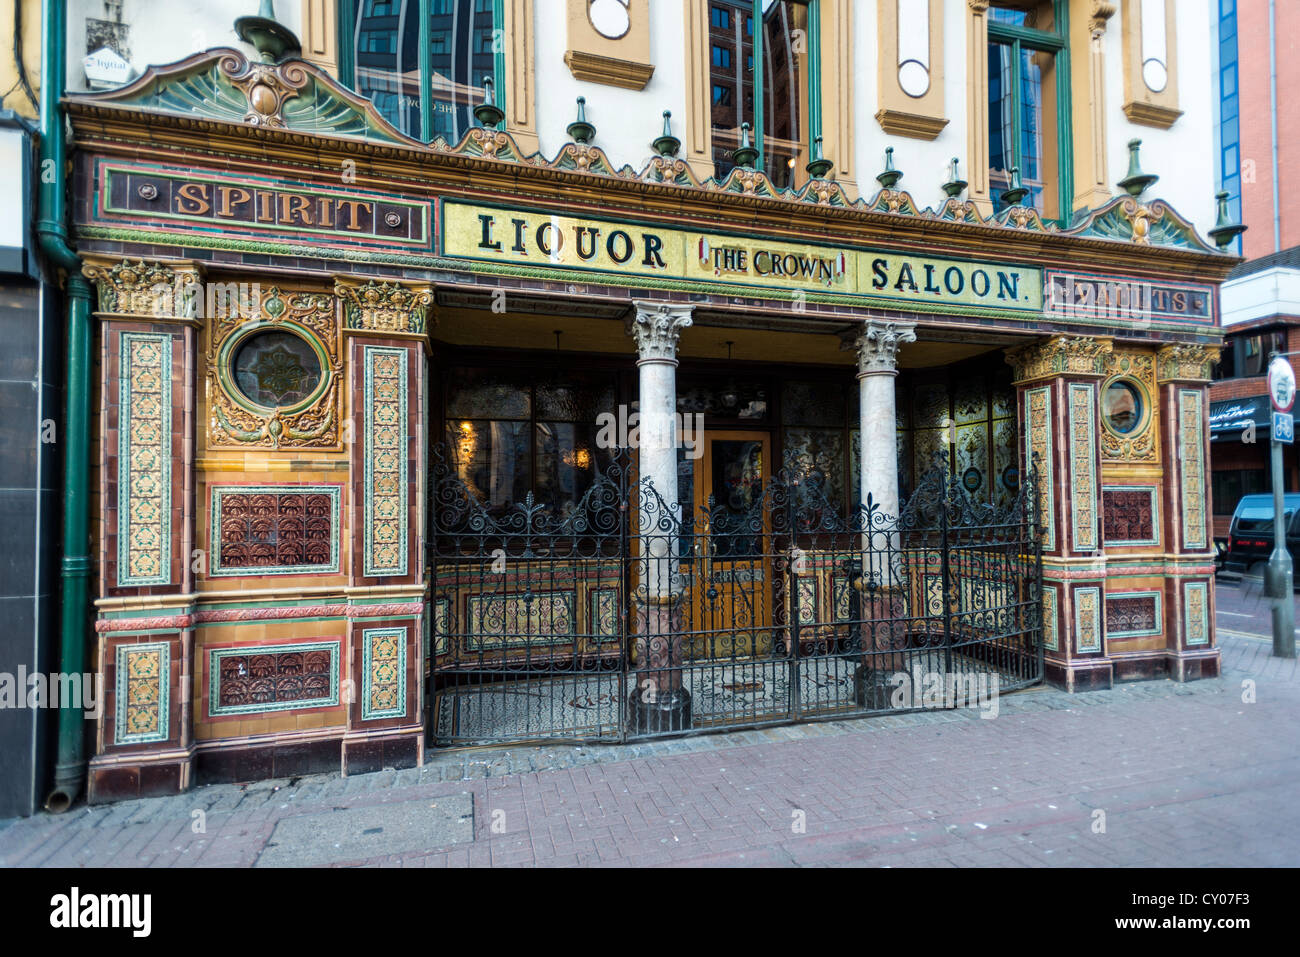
column 1122, row 407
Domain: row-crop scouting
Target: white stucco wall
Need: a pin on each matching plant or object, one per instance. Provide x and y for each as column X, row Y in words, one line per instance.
column 626, row 121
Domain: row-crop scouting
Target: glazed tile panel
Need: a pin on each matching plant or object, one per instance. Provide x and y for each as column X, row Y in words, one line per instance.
column 274, row 530
column 383, row 670
column 143, row 680
column 1191, row 453
column 386, row 455
column 273, row 678
column 144, row 460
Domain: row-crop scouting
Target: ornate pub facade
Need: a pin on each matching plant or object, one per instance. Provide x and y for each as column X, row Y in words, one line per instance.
column 412, row 432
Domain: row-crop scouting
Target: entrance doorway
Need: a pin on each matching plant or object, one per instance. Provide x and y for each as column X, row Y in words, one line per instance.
column 728, row 574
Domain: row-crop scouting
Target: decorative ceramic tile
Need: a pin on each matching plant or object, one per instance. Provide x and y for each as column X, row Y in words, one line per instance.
column 1191, row 457
column 524, row 619
column 144, row 496
column 1130, row 514
column 383, row 673
column 842, row 598
column 1083, row 467
column 273, row 678
column 604, row 614
column 1133, row 614
column 1051, row 640
column 441, row 625
column 1087, row 619
column 1038, row 433
column 1196, row 613
column 274, row 529
column 143, row 689
column 807, row 601
column 386, row 455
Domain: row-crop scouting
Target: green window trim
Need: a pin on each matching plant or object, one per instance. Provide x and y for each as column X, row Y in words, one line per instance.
column 813, row 80
column 1056, row 42
column 347, row 12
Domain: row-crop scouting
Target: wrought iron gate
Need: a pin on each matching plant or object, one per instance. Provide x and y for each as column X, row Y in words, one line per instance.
column 630, row 617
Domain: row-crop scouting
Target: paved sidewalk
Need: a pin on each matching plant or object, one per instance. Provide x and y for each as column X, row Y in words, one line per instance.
column 1152, row 773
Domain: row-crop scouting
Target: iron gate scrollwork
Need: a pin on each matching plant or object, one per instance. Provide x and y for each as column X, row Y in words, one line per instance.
column 632, row 617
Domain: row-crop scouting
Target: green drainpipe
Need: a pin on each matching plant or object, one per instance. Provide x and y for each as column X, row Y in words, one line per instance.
column 52, row 236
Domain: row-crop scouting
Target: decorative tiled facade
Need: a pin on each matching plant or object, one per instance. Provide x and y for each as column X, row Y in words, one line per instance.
column 386, row 454
column 1196, row 613
column 1038, row 433
column 273, row 678
column 144, row 460
column 274, row 530
column 1083, row 468
column 142, row 693
column 1087, row 619
column 496, row 620
column 1142, row 444
column 1051, row 639
column 1131, row 514
column 1133, row 614
column 1191, row 455
column 383, row 673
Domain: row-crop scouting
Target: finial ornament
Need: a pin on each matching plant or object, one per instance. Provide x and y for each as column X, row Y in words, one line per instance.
column 746, row 155
column 1225, row 230
column 667, row 144
column 272, row 40
column 580, row 131
column 1136, row 182
column 487, row 113
column 889, row 177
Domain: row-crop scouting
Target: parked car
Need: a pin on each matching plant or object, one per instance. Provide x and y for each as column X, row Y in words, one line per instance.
column 1250, row 537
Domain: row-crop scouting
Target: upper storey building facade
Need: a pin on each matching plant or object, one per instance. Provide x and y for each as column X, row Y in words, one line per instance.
column 481, row 370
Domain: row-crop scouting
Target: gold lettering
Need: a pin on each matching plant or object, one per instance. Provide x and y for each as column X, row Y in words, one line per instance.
column 196, row 196
column 352, row 206
column 230, row 196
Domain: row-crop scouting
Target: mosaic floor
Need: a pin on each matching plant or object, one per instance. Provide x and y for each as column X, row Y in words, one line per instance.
column 586, row 705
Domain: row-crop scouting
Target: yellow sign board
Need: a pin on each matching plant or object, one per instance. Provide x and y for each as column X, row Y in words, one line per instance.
column 531, row 238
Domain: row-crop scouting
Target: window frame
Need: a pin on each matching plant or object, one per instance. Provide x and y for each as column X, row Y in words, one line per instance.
column 347, row 14
column 1056, row 42
column 814, row 76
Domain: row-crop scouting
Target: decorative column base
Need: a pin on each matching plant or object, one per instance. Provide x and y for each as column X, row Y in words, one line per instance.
column 126, row 777
column 1080, row 674
column 658, row 703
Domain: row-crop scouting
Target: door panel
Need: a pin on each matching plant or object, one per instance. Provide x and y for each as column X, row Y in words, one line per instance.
column 728, row 574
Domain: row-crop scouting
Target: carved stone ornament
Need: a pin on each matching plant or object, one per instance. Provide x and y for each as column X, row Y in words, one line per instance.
column 1186, row 363
column 877, row 344
column 1060, row 355
column 266, row 87
column 140, row 288
column 384, row 307
column 231, row 422
column 656, row 327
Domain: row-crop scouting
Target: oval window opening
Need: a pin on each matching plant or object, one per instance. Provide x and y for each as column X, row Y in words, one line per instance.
column 1122, row 407
column 275, row 369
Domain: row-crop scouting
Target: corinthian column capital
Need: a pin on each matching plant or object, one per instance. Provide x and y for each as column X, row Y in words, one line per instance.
column 876, row 344
column 657, row 326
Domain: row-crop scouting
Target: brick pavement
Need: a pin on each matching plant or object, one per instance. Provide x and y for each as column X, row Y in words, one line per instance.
column 1183, row 774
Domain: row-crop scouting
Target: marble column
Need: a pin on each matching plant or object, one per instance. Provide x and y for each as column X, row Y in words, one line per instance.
column 658, row 702
column 882, row 604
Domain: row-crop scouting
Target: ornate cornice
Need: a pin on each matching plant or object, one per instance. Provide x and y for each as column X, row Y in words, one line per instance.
column 876, row 344
column 1060, row 356
column 384, row 306
column 324, row 122
column 1186, row 363
column 657, row 326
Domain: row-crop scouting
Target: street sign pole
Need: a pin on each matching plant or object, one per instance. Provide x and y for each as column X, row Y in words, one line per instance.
column 1280, row 572
column 1281, row 381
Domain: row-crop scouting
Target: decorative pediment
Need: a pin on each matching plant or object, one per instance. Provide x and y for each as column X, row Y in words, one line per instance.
column 1128, row 219
column 225, row 85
